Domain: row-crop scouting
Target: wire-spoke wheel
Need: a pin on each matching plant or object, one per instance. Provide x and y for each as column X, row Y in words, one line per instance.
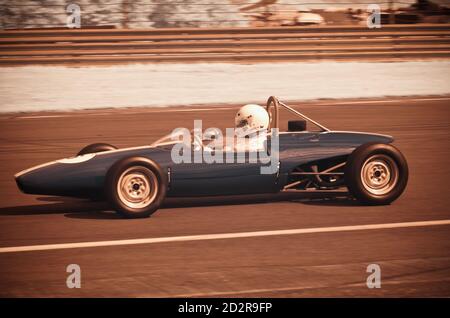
column 376, row 173
column 135, row 187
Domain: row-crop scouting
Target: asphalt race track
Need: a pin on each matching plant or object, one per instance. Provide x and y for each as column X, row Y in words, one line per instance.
column 414, row 260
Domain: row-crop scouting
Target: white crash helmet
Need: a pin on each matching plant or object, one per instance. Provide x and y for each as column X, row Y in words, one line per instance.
column 251, row 118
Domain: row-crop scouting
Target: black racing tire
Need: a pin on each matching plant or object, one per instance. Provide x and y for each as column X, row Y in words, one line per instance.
column 376, row 174
column 135, row 187
column 98, row 147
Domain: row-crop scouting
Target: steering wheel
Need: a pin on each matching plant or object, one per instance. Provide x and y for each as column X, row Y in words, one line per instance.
column 272, row 102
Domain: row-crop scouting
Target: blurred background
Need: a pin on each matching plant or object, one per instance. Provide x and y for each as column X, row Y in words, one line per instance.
column 133, row 58
column 17, row 14
column 184, row 52
column 250, row 37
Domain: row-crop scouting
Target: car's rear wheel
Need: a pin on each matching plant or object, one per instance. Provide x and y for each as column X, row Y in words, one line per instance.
column 94, row 148
column 376, row 174
column 135, row 187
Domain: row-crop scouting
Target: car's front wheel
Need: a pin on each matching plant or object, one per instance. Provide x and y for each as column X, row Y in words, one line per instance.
column 135, row 187
column 376, row 174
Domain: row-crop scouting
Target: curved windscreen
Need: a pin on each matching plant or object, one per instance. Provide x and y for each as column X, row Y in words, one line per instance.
column 224, row 143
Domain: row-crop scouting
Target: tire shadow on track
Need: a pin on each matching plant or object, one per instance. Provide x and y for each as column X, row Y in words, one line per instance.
column 86, row 209
column 302, row 198
column 54, row 205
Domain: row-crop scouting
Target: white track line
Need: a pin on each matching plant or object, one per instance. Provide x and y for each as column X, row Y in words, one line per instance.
column 382, row 101
column 146, row 111
column 40, row 116
column 221, row 236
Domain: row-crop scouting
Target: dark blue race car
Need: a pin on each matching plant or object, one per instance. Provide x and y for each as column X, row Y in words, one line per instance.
column 135, row 181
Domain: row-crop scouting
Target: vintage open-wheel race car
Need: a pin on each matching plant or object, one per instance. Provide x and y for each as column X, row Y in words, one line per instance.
column 136, row 180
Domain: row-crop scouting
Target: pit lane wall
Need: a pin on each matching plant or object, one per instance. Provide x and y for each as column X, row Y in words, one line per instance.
column 238, row 45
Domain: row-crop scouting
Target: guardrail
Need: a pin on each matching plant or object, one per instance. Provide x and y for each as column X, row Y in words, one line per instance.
column 19, row 47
